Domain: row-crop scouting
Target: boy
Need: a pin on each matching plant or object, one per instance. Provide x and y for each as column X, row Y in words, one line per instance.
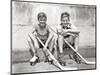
column 43, row 33
column 67, row 32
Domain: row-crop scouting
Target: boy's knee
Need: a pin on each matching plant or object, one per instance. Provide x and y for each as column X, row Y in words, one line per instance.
column 70, row 39
column 36, row 44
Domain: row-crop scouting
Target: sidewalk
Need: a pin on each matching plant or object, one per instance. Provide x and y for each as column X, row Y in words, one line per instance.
column 25, row 67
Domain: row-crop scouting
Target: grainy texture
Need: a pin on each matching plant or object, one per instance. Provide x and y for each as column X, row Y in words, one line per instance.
column 24, row 19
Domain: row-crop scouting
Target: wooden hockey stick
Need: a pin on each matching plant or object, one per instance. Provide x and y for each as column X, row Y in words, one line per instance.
column 86, row 62
column 53, row 58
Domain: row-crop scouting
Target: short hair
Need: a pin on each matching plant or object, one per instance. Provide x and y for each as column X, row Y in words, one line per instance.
column 65, row 14
column 41, row 14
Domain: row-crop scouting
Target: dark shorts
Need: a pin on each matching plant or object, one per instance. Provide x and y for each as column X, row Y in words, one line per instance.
column 70, row 39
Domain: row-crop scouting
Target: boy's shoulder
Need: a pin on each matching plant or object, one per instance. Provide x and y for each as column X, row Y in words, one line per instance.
column 33, row 31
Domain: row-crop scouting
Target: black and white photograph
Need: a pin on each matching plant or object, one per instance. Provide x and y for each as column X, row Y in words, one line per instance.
column 52, row 37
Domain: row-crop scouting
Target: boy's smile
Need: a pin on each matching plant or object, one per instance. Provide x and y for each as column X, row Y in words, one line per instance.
column 42, row 21
column 65, row 20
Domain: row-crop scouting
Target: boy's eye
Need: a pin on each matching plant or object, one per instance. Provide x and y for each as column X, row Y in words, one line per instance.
column 64, row 20
column 42, row 18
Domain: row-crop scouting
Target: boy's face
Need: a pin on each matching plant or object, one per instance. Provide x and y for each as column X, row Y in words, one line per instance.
column 65, row 20
column 42, row 20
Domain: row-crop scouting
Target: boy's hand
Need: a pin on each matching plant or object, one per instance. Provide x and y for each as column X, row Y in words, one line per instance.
column 60, row 31
column 44, row 49
column 65, row 30
column 46, row 44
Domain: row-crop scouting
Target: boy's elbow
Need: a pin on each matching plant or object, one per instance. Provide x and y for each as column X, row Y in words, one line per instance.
column 76, row 30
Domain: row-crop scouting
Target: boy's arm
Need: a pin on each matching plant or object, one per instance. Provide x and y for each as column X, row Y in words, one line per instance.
column 49, row 38
column 73, row 30
column 31, row 37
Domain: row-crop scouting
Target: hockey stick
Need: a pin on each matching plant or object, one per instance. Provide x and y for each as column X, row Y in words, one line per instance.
column 86, row 62
column 53, row 58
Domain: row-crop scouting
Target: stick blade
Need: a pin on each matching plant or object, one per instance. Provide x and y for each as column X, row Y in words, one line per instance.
column 90, row 63
column 68, row 68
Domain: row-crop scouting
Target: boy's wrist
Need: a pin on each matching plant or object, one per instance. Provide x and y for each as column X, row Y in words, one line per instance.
column 46, row 44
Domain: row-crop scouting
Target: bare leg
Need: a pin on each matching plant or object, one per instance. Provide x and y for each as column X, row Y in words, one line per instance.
column 77, row 43
column 50, row 46
column 33, row 43
column 60, row 43
column 74, row 40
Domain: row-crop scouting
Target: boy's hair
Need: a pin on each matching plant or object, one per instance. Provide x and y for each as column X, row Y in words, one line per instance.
column 41, row 14
column 65, row 14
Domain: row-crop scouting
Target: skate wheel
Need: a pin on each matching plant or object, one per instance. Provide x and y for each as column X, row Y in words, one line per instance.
column 63, row 63
column 32, row 63
column 51, row 62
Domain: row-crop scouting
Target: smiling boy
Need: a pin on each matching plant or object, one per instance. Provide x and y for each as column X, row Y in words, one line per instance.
column 68, row 32
column 41, row 31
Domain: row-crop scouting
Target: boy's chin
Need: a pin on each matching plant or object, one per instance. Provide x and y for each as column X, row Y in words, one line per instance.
column 42, row 23
column 43, row 26
column 65, row 23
